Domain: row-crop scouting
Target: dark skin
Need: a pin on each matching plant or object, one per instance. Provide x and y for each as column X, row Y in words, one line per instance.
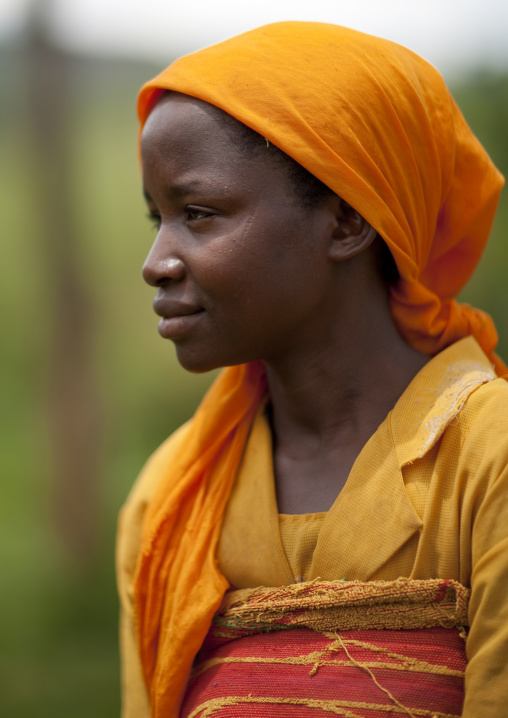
column 245, row 273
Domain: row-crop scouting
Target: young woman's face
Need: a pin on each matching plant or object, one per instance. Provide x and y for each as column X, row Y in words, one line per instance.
column 241, row 269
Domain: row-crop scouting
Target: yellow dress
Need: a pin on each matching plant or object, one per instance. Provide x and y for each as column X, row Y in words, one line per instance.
column 426, row 498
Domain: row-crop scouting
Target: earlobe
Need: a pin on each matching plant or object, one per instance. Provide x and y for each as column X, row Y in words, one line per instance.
column 352, row 234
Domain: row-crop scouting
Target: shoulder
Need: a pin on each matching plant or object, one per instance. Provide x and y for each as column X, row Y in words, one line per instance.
column 484, row 416
column 480, row 437
column 149, row 477
column 491, row 394
column 133, row 512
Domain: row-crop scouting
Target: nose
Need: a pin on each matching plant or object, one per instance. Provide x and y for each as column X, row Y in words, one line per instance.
column 162, row 263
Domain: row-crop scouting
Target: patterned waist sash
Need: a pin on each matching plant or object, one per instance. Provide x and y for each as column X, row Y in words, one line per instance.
column 353, row 649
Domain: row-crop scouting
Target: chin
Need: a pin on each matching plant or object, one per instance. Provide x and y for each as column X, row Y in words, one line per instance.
column 197, row 362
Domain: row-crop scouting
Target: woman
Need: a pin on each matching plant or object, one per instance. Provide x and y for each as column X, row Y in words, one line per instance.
column 319, row 201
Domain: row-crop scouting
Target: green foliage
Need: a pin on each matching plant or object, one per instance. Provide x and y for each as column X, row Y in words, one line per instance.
column 483, row 99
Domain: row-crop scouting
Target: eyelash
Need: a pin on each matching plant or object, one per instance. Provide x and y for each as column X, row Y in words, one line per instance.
column 155, row 219
column 192, row 210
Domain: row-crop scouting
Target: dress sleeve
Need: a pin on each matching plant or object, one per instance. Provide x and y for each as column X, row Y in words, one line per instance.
column 487, row 644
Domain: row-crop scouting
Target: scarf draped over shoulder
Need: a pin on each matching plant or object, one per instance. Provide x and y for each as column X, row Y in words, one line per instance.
column 377, row 124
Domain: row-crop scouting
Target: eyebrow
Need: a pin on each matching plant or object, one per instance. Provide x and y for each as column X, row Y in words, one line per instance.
column 181, row 190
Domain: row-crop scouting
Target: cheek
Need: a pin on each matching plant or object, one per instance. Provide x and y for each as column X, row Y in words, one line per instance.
column 270, row 258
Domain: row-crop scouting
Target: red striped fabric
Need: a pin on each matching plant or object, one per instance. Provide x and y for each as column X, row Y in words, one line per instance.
column 300, row 672
column 285, row 671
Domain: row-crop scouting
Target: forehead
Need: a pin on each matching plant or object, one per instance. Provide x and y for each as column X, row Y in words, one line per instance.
column 180, row 126
column 189, row 143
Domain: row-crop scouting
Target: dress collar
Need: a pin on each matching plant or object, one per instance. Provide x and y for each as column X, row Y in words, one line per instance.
column 435, row 397
column 372, row 517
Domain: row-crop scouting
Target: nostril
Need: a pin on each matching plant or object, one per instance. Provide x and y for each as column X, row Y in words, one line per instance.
column 174, row 268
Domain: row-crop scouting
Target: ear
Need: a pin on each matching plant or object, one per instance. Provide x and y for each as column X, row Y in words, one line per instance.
column 352, row 233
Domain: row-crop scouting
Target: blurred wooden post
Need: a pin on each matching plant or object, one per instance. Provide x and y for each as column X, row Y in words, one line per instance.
column 73, row 408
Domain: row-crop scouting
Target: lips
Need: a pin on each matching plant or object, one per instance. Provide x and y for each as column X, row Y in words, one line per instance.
column 178, row 318
column 169, row 309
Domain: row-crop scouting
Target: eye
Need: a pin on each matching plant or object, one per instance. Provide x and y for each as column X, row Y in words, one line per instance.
column 194, row 214
column 155, row 219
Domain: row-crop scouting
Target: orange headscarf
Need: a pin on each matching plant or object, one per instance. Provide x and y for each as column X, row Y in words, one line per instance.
column 377, row 124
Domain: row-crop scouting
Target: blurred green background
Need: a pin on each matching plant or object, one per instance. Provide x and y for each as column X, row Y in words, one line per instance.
column 89, row 389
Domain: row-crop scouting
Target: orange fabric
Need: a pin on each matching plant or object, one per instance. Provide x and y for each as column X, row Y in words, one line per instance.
column 177, row 586
column 376, row 124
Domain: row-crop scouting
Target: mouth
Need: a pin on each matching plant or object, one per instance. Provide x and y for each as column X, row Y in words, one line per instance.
column 178, row 325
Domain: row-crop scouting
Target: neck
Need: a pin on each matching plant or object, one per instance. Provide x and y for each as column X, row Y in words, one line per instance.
column 342, row 388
